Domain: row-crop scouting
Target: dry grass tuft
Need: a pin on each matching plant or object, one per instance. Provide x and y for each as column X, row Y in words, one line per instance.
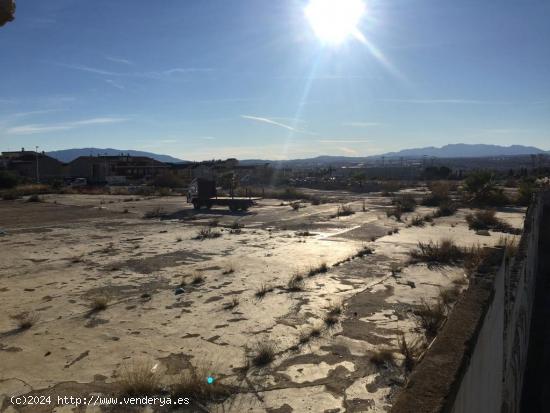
column 295, row 283
column 417, row 221
column 198, row 278
column 263, row 290
column 263, row 353
column 231, row 304
column 193, row 384
column 449, row 296
column 510, row 245
column 430, row 318
column 295, row 205
column 442, row 252
column 155, row 213
column 383, row 358
column 99, row 302
column 139, row 379
column 229, row 269
column 343, row 211
column 330, row 319
column 335, row 309
column 25, row 319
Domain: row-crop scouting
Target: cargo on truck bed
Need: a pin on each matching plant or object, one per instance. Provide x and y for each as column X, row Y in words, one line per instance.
column 203, row 193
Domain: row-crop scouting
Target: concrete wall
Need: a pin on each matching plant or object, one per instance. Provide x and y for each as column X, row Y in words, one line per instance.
column 479, row 358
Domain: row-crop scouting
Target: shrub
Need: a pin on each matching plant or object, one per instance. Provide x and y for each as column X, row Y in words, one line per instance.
column 168, row 180
column 410, row 351
column 445, row 209
column 366, row 250
column 295, row 206
column 481, row 190
column 193, row 384
column 509, row 244
column 99, row 302
column 8, row 180
column 139, row 379
column 417, row 221
column 475, row 257
column 395, row 212
column 486, row 220
column 335, row 309
column 383, row 358
column 439, row 193
column 330, row 319
column 236, row 225
column 263, row 353
column 525, row 192
column 321, row 269
column 343, row 211
column 34, row 198
column 10, row 195
column 443, row 252
column 405, row 203
column 207, row 233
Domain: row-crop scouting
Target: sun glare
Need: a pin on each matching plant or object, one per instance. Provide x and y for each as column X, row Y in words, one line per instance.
column 334, row 21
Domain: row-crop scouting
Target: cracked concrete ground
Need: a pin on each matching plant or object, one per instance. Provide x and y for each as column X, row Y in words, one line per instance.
column 58, row 255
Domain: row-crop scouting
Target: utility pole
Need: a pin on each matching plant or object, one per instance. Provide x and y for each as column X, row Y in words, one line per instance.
column 37, row 175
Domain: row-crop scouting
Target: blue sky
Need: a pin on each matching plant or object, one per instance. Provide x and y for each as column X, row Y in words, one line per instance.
column 202, row 79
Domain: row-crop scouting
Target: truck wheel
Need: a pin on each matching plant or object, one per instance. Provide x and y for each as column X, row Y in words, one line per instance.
column 196, row 205
column 209, row 205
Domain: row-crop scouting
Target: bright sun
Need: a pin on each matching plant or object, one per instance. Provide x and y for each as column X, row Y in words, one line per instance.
column 333, row 21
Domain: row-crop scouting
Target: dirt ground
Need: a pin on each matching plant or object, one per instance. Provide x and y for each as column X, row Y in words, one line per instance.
column 169, row 296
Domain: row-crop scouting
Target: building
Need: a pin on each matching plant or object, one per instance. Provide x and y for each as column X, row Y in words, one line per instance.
column 116, row 169
column 34, row 166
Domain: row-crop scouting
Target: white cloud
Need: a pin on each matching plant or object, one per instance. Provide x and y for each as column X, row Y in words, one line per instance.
column 271, row 121
column 114, row 84
column 450, row 101
column 43, row 128
column 344, row 141
column 162, row 74
column 360, row 124
column 119, row 60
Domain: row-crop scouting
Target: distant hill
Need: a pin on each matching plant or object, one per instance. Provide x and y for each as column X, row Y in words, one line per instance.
column 67, row 155
column 462, row 150
column 459, row 150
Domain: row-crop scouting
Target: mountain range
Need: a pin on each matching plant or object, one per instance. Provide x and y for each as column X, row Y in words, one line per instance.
column 67, row 155
column 459, row 150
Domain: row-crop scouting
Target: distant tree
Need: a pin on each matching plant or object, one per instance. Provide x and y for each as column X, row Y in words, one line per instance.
column 481, row 190
column 8, row 180
column 437, row 172
column 168, row 180
column 525, row 192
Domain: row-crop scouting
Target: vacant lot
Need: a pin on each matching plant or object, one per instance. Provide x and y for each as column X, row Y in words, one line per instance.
column 290, row 309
